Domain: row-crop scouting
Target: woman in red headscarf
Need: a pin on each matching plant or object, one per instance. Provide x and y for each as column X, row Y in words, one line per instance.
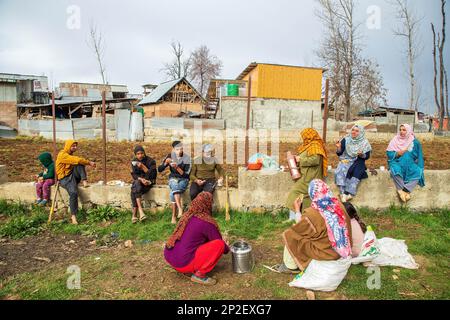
column 196, row 245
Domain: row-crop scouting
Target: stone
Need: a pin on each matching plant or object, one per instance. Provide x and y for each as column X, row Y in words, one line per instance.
column 128, row 244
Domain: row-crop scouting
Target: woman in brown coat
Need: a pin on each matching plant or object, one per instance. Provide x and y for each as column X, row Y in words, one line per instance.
column 323, row 233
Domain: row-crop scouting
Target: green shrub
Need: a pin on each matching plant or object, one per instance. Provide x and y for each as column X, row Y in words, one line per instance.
column 21, row 226
column 101, row 214
column 12, row 208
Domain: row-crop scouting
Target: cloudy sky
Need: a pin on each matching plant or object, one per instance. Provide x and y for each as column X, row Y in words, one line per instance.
column 43, row 37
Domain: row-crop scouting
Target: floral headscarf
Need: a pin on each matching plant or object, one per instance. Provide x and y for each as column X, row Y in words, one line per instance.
column 399, row 143
column 331, row 211
column 313, row 144
column 360, row 143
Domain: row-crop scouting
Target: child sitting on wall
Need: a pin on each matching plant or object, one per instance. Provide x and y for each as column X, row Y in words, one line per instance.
column 45, row 179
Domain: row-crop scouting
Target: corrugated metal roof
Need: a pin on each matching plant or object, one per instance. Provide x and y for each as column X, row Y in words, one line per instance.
column 159, row 92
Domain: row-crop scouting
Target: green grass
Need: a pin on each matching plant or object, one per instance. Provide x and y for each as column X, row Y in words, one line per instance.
column 426, row 234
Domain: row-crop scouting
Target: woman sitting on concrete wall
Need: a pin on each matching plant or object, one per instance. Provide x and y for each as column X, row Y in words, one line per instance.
column 196, row 245
column 405, row 160
column 179, row 165
column 323, row 233
column 312, row 162
column 143, row 171
column 353, row 151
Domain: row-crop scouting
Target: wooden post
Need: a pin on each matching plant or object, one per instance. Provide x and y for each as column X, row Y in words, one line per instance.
column 249, row 93
column 312, row 118
column 104, row 135
column 54, row 128
column 325, row 112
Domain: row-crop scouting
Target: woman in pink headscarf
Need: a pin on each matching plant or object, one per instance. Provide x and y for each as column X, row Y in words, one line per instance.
column 405, row 160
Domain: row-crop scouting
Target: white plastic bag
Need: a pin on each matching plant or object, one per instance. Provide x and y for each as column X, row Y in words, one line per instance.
column 369, row 248
column 322, row 275
column 393, row 253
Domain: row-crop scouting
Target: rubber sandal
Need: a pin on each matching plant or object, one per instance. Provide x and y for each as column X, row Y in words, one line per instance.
column 144, row 217
column 281, row 268
column 207, row 281
column 134, row 220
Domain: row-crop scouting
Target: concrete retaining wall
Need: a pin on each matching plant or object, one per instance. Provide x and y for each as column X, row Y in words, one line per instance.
column 257, row 190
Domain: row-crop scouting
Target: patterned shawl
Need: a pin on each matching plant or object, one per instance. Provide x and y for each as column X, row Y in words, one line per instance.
column 360, row 143
column 201, row 207
column 331, row 211
column 313, row 144
column 399, row 143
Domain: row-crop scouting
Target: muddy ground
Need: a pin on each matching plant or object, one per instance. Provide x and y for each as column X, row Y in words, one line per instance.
column 20, row 155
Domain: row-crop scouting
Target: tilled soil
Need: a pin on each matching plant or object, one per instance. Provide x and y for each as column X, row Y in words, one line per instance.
column 20, row 156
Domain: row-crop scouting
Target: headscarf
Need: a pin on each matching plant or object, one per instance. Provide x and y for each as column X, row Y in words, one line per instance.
column 329, row 208
column 201, row 207
column 399, row 143
column 313, row 144
column 360, row 143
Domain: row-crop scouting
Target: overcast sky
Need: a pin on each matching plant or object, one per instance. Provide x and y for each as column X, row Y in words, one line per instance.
column 35, row 38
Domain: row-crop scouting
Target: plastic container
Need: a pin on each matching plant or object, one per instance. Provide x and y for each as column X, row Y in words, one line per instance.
column 232, row 90
column 255, row 166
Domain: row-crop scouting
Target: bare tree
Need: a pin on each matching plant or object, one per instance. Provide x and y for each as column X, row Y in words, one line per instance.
column 97, row 45
column 409, row 30
column 204, row 67
column 179, row 67
column 369, row 86
column 340, row 52
column 440, row 95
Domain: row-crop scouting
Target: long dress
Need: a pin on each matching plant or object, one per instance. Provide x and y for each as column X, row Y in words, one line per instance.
column 350, row 170
column 310, row 168
column 309, row 239
column 407, row 170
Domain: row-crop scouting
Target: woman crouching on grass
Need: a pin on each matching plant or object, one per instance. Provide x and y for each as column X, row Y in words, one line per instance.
column 196, row 245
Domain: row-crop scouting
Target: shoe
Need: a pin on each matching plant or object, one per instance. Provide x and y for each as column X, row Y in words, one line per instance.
column 402, row 195
column 343, row 198
column 134, row 219
column 143, row 218
column 85, row 184
column 207, row 281
column 38, row 201
column 349, row 197
column 43, row 203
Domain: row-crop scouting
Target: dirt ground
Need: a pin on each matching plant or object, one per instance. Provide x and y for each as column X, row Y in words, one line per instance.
column 41, row 251
column 143, row 271
column 20, row 155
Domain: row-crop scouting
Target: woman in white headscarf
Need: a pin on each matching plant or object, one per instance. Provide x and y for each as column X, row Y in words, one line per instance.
column 353, row 151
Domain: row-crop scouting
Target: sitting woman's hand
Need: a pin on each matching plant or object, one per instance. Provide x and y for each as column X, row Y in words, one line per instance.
column 338, row 144
column 401, row 152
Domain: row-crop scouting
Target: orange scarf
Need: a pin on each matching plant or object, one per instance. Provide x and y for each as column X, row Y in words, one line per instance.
column 313, row 144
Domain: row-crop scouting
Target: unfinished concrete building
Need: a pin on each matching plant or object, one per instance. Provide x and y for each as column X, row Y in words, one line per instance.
column 16, row 89
column 173, row 98
column 282, row 97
